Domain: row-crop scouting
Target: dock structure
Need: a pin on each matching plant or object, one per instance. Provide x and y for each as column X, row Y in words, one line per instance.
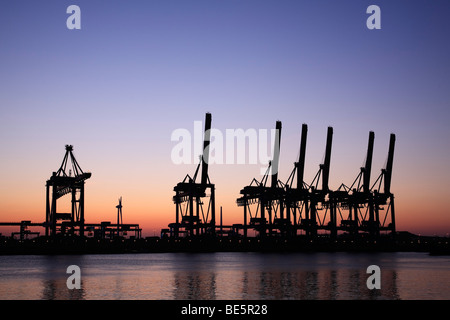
column 292, row 213
column 24, row 231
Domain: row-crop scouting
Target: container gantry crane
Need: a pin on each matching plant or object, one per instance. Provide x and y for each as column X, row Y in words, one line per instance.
column 267, row 198
column 384, row 197
column 62, row 182
column 297, row 198
column 318, row 197
column 189, row 195
column 356, row 199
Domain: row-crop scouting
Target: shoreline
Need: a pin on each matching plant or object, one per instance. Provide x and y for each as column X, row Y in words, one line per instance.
column 76, row 245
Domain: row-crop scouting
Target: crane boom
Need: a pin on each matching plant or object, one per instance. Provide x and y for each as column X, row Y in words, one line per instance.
column 368, row 164
column 301, row 159
column 326, row 164
column 205, row 157
column 276, row 154
column 389, row 164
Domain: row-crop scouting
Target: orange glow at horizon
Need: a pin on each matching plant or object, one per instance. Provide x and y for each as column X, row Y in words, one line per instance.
column 154, row 210
column 147, row 190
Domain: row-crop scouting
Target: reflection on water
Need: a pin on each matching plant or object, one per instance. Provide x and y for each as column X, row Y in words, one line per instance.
column 297, row 281
column 303, row 285
column 242, row 276
column 195, row 285
column 57, row 290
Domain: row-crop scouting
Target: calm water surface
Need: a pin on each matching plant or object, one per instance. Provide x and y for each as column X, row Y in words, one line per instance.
column 227, row 276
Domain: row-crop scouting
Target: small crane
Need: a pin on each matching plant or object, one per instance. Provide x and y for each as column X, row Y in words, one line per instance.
column 119, row 216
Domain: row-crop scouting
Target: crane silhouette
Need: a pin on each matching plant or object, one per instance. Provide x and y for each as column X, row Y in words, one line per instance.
column 119, row 215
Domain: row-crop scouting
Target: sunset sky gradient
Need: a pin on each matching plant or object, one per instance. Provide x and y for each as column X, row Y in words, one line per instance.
column 138, row 70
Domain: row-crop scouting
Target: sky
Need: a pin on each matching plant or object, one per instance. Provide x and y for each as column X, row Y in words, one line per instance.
column 137, row 71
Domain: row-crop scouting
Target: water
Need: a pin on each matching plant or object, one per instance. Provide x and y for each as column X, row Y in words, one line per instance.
column 241, row 276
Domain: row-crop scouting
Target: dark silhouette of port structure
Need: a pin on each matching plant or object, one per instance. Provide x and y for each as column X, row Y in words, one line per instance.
column 274, row 209
column 283, row 216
